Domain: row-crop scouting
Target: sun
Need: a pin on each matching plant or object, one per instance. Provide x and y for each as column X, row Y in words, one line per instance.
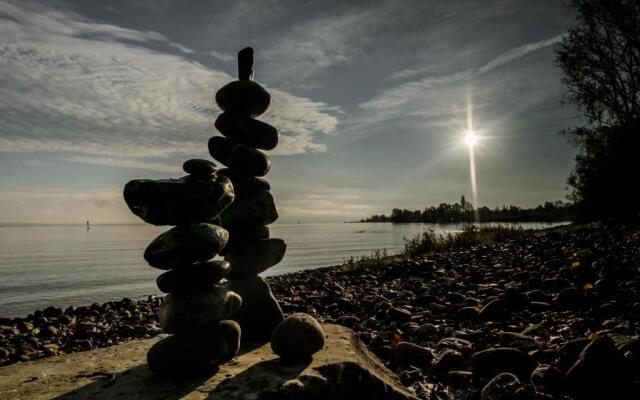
column 470, row 138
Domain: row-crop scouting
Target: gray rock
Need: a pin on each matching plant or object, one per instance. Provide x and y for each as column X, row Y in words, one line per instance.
column 245, row 234
column 195, row 277
column 251, row 258
column 199, row 167
column 449, row 359
column 196, row 311
column 504, row 386
column 248, row 210
column 243, row 184
column 245, row 64
column 243, row 97
column 241, row 158
column 185, row 245
column 178, row 201
column 249, row 161
column 260, row 313
column 601, row 371
column 493, row 311
column 221, row 148
column 426, row 331
column 195, row 353
column 298, row 337
column 407, row 353
column 490, row 362
column 249, row 131
column 398, row 314
column 548, row 379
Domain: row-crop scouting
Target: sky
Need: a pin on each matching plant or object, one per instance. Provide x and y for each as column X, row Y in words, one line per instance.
column 371, row 100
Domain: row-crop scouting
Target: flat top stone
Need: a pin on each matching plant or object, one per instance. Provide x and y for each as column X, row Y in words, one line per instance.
column 120, row 372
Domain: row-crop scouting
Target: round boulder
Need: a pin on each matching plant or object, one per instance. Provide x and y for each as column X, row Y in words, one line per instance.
column 196, row 353
column 503, row 386
column 185, row 245
column 199, row 167
column 195, row 277
column 251, row 258
column 298, row 337
column 246, row 98
column 199, row 310
column 248, row 131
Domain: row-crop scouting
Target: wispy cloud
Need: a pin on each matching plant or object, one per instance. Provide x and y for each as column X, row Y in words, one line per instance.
column 516, row 53
column 71, row 85
column 315, row 44
column 125, row 163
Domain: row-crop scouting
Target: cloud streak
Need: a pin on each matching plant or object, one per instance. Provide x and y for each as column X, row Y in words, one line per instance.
column 516, row 53
column 74, row 86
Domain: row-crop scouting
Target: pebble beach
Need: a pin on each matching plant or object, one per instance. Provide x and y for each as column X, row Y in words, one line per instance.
column 552, row 315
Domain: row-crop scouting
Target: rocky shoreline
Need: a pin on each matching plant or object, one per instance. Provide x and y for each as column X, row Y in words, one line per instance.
column 555, row 315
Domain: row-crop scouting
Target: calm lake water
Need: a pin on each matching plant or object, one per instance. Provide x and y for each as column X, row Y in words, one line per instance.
column 69, row 265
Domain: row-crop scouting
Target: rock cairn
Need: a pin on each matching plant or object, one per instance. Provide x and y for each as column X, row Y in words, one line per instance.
column 250, row 251
column 197, row 307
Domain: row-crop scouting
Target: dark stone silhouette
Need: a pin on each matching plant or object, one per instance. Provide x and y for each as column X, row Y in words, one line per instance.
column 245, row 64
column 171, row 201
column 197, row 306
column 250, row 251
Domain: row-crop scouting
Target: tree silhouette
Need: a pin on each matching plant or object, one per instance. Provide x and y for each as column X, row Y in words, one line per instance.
column 600, row 63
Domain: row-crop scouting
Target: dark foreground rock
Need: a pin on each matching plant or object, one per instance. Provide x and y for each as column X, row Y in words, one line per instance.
column 196, row 353
column 344, row 369
column 260, row 313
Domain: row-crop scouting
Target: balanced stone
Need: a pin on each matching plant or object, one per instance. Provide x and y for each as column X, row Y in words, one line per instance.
column 257, row 208
column 245, row 234
column 197, row 311
column 244, row 184
column 245, row 64
column 253, row 257
column 248, row 131
column 178, row 201
column 249, row 161
column 244, row 97
column 199, row 167
column 298, row 337
column 185, row 245
column 260, row 312
column 193, row 277
column 221, row 148
column 196, row 353
column 242, row 158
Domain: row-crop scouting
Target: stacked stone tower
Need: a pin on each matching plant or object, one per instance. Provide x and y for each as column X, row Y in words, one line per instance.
column 196, row 309
column 250, row 251
column 205, row 316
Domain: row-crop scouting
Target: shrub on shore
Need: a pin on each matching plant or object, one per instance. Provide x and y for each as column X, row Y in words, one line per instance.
column 428, row 241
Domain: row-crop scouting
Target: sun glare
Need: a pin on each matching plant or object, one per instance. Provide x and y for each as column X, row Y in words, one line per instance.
column 470, row 138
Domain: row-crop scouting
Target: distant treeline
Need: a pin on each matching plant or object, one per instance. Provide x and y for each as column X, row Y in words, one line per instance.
column 464, row 212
